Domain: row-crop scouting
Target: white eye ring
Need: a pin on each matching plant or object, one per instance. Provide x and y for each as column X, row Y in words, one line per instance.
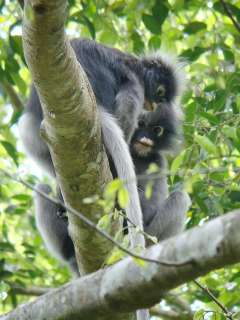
column 161, row 90
column 159, row 130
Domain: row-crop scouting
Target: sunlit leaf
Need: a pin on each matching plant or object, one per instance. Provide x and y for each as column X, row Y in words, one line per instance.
column 123, row 197
column 206, row 143
column 10, row 149
column 194, row 27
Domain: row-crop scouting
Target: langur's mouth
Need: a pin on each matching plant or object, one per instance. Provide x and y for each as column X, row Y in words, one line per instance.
column 150, row 106
column 143, row 146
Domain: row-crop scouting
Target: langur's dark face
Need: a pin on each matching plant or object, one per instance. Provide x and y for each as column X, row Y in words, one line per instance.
column 160, row 84
column 155, row 132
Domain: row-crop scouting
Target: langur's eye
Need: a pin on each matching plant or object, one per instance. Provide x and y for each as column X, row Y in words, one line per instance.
column 141, row 123
column 161, row 91
column 158, row 130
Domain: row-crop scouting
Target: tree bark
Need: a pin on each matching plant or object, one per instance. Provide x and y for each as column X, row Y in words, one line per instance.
column 71, row 126
column 127, row 286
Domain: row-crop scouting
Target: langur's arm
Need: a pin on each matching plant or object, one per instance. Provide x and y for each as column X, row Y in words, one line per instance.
column 129, row 104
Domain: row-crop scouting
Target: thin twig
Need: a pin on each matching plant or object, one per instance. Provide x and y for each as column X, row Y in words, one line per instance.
column 31, row 291
column 13, row 96
column 227, row 313
column 230, row 14
column 93, row 226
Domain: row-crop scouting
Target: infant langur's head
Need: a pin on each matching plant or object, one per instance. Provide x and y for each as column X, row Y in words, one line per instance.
column 156, row 132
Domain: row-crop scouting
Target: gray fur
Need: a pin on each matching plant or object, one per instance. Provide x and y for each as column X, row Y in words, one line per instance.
column 35, row 147
column 129, row 105
column 164, row 215
column 118, row 149
column 53, row 229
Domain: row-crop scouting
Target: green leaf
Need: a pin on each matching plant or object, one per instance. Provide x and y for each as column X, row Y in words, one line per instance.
column 178, row 5
column 234, row 195
column 154, row 42
column 206, row 143
column 148, row 190
column 16, row 44
column 193, row 54
column 152, row 23
column 218, row 103
column 210, row 117
column 112, row 188
column 153, row 168
column 160, row 10
column 194, row 27
column 104, row 222
column 118, row 7
column 4, row 289
column 138, row 44
column 139, row 262
column 177, row 162
column 199, row 315
column 22, row 197
column 10, row 149
column 116, row 255
column 123, row 198
column 6, row 247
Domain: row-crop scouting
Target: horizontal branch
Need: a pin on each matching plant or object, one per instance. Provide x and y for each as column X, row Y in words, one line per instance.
column 122, row 287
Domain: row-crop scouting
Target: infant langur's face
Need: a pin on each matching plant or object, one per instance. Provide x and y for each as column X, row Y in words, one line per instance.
column 154, row 133
column 147, row 136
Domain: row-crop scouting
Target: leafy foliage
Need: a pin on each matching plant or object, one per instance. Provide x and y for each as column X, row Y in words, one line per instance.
column 208, row 166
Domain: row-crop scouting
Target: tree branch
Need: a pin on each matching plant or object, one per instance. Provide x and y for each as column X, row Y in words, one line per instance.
column 230, row 14
column 122, row 287
column 226, row 312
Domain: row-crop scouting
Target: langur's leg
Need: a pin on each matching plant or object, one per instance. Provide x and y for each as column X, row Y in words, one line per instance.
column 170, row 216
column 54, row 229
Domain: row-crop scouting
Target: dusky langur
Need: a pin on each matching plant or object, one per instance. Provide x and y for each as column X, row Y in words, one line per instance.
column 118, row 90
column 124, row 85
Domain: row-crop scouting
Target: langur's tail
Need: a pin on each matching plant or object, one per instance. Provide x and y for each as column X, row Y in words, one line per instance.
column 118, row 149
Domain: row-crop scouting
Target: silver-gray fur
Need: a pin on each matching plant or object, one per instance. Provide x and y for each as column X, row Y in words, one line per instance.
column 119, row 151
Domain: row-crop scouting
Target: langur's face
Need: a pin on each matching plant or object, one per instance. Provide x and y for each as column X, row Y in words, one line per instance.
column 154, row 133
column 160, row 85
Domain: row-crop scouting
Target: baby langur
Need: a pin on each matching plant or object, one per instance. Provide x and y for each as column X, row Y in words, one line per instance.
column 164, row 215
